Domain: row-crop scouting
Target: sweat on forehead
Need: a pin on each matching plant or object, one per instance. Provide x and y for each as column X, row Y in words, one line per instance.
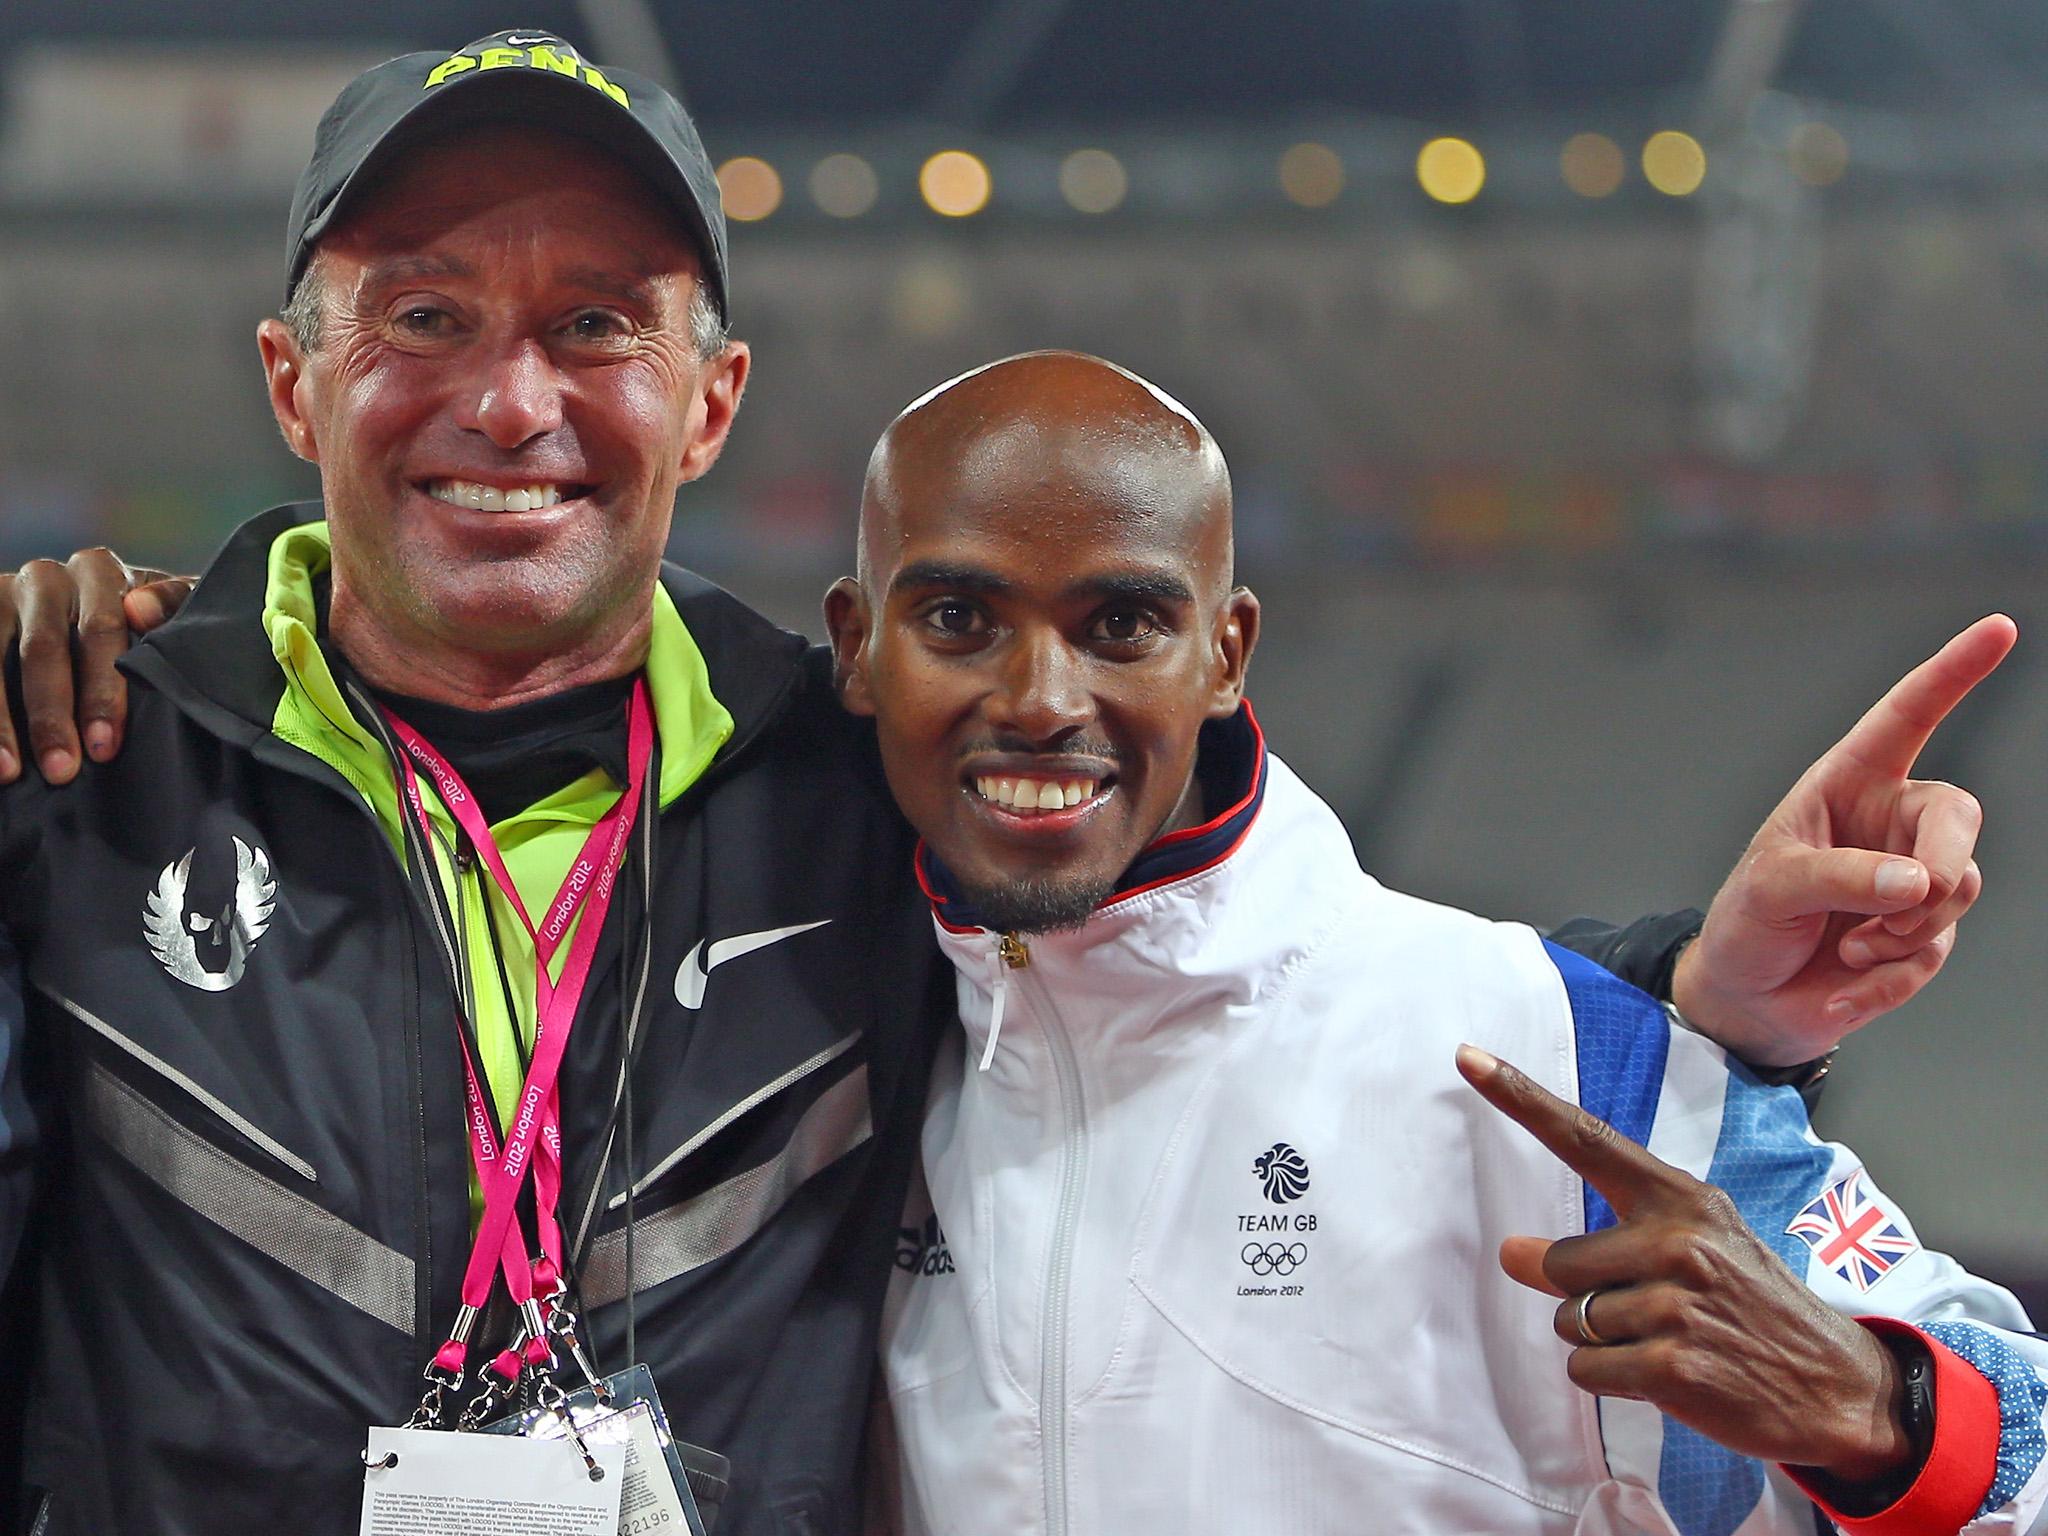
column 1046, row 419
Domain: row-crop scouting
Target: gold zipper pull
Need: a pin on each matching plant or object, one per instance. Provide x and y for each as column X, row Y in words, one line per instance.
column 1015, row 952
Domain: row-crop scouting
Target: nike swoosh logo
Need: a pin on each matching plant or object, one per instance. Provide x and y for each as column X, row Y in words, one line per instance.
column 522, row 42
column 694, row 973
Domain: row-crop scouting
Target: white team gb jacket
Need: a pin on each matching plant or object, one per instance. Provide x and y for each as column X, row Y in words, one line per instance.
column 1211, row 1244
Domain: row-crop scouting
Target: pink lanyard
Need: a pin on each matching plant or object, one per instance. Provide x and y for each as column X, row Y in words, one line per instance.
column 534, row 1137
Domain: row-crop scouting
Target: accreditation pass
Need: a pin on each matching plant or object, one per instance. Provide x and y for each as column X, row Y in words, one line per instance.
column 435, row 1482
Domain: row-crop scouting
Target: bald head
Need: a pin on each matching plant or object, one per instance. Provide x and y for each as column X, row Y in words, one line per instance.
column 1044, row 604
column 1044, row 431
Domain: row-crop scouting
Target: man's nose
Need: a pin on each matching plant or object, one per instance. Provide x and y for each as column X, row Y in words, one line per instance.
column 514, row 397
column 1041, row 691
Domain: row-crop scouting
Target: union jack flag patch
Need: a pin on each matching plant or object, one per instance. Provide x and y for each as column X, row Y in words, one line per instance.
column 1853, row 1234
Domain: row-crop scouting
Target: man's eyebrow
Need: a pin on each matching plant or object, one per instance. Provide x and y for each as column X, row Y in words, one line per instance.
column 1133, row 586
column 636, row 291
column 400, row 269
column 953, row 577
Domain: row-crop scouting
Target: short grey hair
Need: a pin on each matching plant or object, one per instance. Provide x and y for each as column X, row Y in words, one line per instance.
column 305, row 315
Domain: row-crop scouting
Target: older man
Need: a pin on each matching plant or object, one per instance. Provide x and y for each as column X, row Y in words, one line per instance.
column 380, row 777
column 1216, row 1216
column 284, row 950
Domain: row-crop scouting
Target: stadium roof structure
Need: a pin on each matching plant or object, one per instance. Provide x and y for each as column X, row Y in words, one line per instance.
column 1010, row 66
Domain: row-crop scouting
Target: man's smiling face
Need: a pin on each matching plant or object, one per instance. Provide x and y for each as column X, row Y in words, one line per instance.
column 505, row 395
column 1043, row 623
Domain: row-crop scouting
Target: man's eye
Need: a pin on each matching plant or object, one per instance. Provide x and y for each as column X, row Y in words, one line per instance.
column 1125, row 626
column 425, row 320
column 955, row 619
column 597, row 325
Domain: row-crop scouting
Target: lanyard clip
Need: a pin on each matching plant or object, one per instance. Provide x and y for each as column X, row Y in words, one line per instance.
column 445, row 1371
column 562, row 1324
column 555, row 1401
column 534, row 1340
column 501, row 1379
column 446, row 1368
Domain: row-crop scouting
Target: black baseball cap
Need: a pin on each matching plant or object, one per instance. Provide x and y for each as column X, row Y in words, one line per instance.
column 525, row 76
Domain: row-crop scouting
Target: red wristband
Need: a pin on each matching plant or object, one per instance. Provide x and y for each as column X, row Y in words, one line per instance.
column 1946, row 1495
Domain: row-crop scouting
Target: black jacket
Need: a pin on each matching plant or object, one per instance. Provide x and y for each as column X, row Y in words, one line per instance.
column 255, row 1213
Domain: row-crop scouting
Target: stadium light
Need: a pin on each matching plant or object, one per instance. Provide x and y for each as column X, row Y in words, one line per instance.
column 955, row 183
column 1451, row 170
column 751, row 187
column 1819, row 154
column 1093, row 181
column 1674, row 163
column 1311, row 175
column 844, row 186
column 1593, row 164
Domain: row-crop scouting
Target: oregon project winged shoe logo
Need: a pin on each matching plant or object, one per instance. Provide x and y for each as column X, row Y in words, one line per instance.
column 694, row 973
column 206, row 950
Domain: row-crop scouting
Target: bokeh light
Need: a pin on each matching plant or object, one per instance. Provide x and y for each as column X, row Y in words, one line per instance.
column 1674, row 163
column 955, row 183
column 1311, row 175
column 1819, row 154
column 1451, row 170
column 1093, row 181
column 1593, row 164
column 844, row 186
column 751, row 187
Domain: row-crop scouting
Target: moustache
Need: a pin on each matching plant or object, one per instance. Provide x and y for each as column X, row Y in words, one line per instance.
column 1079, row 746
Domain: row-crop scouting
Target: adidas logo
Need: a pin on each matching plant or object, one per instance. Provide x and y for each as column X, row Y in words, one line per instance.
column 922, row 1250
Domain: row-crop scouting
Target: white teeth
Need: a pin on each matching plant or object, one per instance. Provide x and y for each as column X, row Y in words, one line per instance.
column 488, row 498
column 1035, row 795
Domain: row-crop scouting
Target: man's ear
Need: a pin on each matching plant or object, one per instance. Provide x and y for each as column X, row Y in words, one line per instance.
column 723, row 382
column 1237, row 635
column 284, row 373
column 849, row 621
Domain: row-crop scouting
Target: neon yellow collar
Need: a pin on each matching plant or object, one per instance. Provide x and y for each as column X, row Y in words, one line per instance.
column 313, row 715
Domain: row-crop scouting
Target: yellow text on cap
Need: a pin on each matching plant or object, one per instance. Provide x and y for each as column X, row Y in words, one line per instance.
column 540, row 57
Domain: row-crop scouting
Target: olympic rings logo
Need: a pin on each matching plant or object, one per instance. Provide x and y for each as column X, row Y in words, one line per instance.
column 1274, row 1258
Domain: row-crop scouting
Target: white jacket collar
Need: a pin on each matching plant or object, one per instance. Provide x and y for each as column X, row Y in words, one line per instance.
column 1210, row 925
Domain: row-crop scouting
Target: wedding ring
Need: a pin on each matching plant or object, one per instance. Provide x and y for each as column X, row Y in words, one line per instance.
column 1582, row 1316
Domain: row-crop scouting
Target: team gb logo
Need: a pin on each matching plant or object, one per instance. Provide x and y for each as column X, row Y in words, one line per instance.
column 175, row 935
column 1283, row 1171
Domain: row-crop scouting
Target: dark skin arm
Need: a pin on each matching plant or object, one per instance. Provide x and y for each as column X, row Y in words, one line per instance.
column 1706, row 1323
column 1843, row 907
column 72, row 623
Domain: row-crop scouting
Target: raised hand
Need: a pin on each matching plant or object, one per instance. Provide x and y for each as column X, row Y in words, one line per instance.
column 72, row 691
column 1680, row 1305
column 1846, row 901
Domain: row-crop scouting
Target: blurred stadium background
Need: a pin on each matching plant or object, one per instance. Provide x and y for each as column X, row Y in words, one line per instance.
column 1619, row 394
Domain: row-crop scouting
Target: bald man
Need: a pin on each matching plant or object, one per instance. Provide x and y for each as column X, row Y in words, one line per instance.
column 1211, row 1218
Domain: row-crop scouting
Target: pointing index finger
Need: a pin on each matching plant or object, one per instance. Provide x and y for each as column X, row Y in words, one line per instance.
column 1628, row 1175
column 1888, row 738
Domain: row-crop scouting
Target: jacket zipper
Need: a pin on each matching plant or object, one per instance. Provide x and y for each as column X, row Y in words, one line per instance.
column 419, row 851
column 1015, row 955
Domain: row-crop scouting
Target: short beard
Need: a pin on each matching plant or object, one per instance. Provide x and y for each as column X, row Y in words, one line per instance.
column 1037, row 906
